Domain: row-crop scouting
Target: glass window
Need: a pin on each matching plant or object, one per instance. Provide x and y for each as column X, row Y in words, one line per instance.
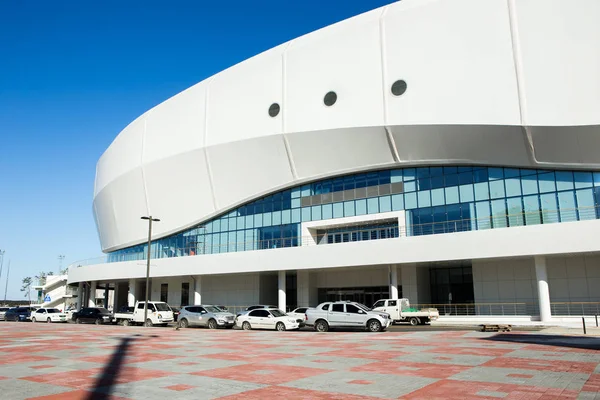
column 466, row 193
column 276, row 219
column 437, row 197
column 495, row 173
column 325, row 307
column 566, row 202
column 397, row 202
column 549, row 208
column 396, row 175
column 350, row 308
column 499, row 213
column 583, row 180
column 327, row 211
column 296, row 215
column 409, row 174
column 465, row 178
column 372, row 206
column 480, row 175
column 547, row 182
column 336, row 307
column 497, row 189
column 451, row 180
column 483, row 215
column 585, row 204
column 531, row 206
column 513, row 187
column 164, row 292
column 452, row 195
column 564, row 180
column 286, row 217
column 267, row 219
column 511, row 173
column 249, row 221
column 305, row 214
column 349, row 209
column 410, row 201
column 338, row 210
column 361, row 206
column 482, row 191
column 385, row 204
column 305, row 191
column 596, row 178
column 529, row 184
column 410, row 186
column 316, row 213
column 258, row 220
column 424, row 198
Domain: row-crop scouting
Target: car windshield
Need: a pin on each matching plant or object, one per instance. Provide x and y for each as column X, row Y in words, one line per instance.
column 52, row 310
column 213, row 309
column 277, row 313
column 162, row 307
column 362, row 306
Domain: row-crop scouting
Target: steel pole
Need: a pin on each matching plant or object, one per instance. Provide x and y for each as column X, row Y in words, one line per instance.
column 1, row 262
column 7, row 275
column 148, row 268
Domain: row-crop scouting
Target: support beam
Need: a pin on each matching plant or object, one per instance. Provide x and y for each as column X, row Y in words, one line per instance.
column 393, row 282
column 282, row 303
column 92, row 298
column 541, row 275
column 408, row 280
column 79, row 296
column 131, row 296
column 115, row 304
column 106, row 289
column 197, row 290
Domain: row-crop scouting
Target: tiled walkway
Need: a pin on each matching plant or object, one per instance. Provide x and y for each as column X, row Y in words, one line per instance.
column 70, row 361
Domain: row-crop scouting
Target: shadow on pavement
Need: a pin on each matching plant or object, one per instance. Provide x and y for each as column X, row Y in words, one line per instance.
column 577, row 342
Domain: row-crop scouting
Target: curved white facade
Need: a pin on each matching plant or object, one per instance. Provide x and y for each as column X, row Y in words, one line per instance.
column 495, row 82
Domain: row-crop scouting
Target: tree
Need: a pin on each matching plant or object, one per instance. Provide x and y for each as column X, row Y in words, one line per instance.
column 26, row 286
column 41, row 278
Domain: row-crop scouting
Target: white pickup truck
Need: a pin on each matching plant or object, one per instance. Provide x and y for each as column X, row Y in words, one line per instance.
column 159, row 313
column 400, row 311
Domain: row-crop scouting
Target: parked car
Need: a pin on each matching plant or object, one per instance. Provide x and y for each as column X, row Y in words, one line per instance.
column 255, row 307
column 400, row 311
column 159, row 313
column 345, row 314
column 300, row 315
column 222, row 308
column 48, row 315
column 205, row 315
column 18, row 314
column 96, row 315
column 263, row 318
column 3, row 311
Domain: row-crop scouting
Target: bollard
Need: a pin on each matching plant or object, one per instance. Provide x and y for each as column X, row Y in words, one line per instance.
column 584, row 330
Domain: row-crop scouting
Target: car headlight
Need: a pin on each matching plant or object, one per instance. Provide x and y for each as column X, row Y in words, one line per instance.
column 292, row 320
column 159, row 316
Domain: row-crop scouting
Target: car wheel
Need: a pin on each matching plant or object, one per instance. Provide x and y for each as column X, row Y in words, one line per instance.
column 184, row 323
column 212, row 324
column 414, row 321
column 98, row 321
column 280, row 326
column 373, row 325
column 148, row 323
column 49, row 321
column 246, row 326
column 33, row 319
column 321, row 326
column 78, row 321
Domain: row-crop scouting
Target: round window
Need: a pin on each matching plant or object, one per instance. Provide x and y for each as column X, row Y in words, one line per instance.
column 330, row 99
column 274, row 110
column 398, row 88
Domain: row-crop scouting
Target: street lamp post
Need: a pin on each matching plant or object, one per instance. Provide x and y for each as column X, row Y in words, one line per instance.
column 150, row 220
column 1, row 262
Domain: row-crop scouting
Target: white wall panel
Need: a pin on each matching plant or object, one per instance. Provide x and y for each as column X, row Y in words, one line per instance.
column 456, row 58
column 241, row 170
column 123, row 155
column 560, row 57
column 344, row 58
column 179, row 191
column 239, row 99
column 326, row 153
column 176, row 126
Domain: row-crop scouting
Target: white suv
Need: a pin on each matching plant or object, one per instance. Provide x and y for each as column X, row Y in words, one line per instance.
column 343, row 314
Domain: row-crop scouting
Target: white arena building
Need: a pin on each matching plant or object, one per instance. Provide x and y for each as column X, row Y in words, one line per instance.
column 447, row 151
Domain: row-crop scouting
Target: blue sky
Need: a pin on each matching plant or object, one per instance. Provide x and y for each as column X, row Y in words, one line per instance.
column 74, row 73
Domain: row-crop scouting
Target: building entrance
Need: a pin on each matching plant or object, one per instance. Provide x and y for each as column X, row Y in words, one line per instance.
column 451, row 285
column 364, row 295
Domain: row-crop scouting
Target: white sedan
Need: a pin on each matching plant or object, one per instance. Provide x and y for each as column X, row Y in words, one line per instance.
column 266, row 319
column 48, row 315
column 299, row 314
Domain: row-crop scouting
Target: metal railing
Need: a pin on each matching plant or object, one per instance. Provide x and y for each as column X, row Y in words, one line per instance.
column 433, row 228
column 575, row 308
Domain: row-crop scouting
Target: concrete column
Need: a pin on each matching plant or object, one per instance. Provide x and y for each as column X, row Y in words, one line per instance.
column 198, row 290
column 541, row 275
column 131, row 296
column 106, row 296
column 92, row 298
column 79, row 296
column 281, row 285
column 116, row 297
column 393, row 282
column 303, row 288
column 408, row 279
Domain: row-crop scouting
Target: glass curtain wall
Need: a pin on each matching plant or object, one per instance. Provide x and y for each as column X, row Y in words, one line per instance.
column 436, row 200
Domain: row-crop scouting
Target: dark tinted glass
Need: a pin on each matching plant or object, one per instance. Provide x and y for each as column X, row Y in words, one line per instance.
column 398, row 87
column 337, row 308
column 274, row 110
column 330, row 99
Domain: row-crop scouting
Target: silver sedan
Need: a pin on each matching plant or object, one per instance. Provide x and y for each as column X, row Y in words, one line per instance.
column 205, row 315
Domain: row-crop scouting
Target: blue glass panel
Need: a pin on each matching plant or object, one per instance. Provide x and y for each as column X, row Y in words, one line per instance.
column 515, row 211
column 410, row 186
column 396, row 175
column 511, row 173
column 482, row 191
column 286, row 217
column 465, row 169
column 497, row 189
column 424, row 183
column 410, row 201
column 583, row 179
column 267, row 219
column 385, row 204
column 397, row 202
column 316, row 213
column 409, row 174
column 547, row 182
column 549, row 208
column 529, row 184
column 361, row 206
column 495, row 173
column 437, row 182
column 566, row 202
column 437, row 197
column 372, row 206
column 466, row 193
column 499, row 213
column 240, row 222
column 465, row 178
column 423, row 172
column 436, row 171
column 451, row 180
column 349, row 209
column 305, row 191
column 305, row 214
column 525, row 172
column 564, row 180
column 276, row 218
column 596, row 178
column 531, row 206
column 217, row 225
column 224, row 242
column 480, row 175
column 338, row 185
column 585, row 204
column 483, row 215
column 295, row 203
column 327, row 211
column 296, row 215
column 450, row 170
column 258, row 220
column 424, row 198
column 452, row 195
column 338, row 210
column 384, row 177
column 513, row 187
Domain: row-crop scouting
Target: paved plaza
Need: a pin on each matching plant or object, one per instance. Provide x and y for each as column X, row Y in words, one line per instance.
column 51, row 361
